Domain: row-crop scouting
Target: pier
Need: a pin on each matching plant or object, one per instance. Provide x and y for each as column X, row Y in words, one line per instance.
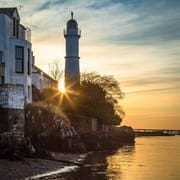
column 156, row 132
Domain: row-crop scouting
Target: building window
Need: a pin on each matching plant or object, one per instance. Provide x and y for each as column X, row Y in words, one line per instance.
column 1, row 57
column 15, row 28
column 1, row 79
column 29, row 62
column 2, row 66
column 19, row 55
column 29, row 91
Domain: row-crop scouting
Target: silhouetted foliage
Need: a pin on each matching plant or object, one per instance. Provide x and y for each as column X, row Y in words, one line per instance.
column 51, row 96
column 47, row 96
column 36, row 95
column 106, row 82
column 98, row 97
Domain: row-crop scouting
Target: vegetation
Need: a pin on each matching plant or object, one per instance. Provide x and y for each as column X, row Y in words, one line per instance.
column 36, row 95
column 98, row 96
column 55, row 71
column 51, row 96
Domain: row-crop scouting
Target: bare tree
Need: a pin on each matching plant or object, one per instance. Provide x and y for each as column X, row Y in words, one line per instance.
column 55, row 70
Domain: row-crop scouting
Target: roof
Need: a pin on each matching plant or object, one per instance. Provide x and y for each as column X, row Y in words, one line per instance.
column 41, row 72
column 8, row 11
column 72, row 23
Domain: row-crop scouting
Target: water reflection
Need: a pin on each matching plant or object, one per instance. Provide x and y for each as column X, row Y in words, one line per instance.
column 151, row 158
column 102, row 165
column 118, row 163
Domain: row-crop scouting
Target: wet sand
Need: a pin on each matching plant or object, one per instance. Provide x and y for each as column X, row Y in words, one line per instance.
column 37, row 168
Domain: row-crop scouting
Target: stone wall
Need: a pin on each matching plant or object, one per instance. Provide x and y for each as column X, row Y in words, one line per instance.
column 12, row 110
column 84, row 124
column 12, row 120
column 12, row 96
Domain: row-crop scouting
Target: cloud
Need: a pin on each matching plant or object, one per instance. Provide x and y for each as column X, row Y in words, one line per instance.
column 153, row 23
column 137, row 41
column 154, row 80
column 131, row 22
column 155, row 90
column 163, row 77
column 173, row 70
column 111, row 24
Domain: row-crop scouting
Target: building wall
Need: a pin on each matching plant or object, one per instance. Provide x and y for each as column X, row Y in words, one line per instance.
column 2, row 33
column 18, row 78
column 7, row 45
column 40, row 81
column 12, row 96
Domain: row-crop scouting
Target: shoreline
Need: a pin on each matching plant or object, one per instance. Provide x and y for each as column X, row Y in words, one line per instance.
column 30, row 168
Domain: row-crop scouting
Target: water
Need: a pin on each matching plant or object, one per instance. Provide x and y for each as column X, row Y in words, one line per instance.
column 150, row 159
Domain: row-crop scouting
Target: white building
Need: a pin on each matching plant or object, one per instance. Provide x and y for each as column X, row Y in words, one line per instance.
column 15, row 52
column 41, row 80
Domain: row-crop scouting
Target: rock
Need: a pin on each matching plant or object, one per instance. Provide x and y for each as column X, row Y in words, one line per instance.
column 51, row 130
column 13, row 148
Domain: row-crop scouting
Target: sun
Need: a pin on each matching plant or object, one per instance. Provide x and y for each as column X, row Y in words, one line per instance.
column 61, row 86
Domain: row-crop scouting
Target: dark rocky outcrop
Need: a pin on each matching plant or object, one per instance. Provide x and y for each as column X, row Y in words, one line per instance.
column 51, row 130
column 123, row 134
column 114, row 138
column 48, row 129
column 13, row 148
column 13, row 144
column 97, row 136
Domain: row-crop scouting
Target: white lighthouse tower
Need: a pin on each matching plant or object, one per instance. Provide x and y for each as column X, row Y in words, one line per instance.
column 72, row 35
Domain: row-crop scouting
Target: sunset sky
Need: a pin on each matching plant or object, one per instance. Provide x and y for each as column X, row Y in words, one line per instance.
column 136, row 41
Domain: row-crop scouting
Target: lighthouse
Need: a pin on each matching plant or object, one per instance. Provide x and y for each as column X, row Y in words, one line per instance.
column 72, row 73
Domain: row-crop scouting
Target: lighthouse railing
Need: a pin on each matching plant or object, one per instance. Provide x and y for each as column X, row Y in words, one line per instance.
column 79, row 32
column 66, row 33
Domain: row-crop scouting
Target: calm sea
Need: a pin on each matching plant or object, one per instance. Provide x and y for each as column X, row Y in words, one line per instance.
column 152, row 158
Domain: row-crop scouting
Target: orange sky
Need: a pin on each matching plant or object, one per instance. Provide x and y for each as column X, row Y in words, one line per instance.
column 136, row 41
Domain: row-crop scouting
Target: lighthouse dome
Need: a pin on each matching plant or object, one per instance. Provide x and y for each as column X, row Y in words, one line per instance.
column 72, row 24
